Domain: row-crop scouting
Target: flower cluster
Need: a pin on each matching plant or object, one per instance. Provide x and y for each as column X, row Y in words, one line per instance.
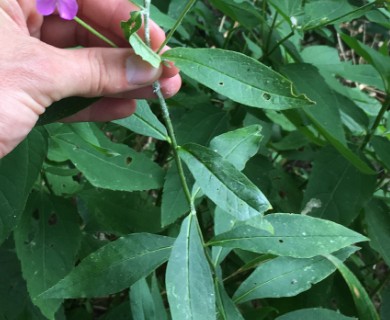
column 67, row 9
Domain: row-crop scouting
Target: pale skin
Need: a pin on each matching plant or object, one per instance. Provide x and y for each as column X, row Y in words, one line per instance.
column 36, row 70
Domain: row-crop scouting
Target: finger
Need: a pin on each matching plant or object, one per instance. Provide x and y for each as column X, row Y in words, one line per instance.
column 106, row 109
column 104, row 16
column 169, row 87
column 98, row 72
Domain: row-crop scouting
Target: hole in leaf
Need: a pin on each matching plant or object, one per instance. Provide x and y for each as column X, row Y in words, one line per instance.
column 281, row 241
column 52, row 219
column 35, row 215
column 129, row 160
column 221, row 83
column 266, row 96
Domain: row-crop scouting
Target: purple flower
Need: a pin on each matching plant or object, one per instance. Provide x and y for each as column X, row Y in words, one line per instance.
column 66, row 8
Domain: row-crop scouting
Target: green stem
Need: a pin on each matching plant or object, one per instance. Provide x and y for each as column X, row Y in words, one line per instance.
column 95, row 32
column 279, row 43
column 271, row 31
column 166, row 116
column 172, row 136
column 177, row 24
column 146, row 14
column 385, row 107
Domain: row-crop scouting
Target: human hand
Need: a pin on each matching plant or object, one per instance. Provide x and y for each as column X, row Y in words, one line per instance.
column 35, row 71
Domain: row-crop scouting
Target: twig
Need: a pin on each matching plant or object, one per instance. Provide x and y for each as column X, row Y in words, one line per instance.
column 164, row 107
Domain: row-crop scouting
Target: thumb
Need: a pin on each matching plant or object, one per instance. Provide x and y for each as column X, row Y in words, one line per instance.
column 103, row 71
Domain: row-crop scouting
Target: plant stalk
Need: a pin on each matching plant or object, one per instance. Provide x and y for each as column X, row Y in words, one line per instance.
column 95, row 32
column 385, row 107
column 177, row 24
column 165, row 111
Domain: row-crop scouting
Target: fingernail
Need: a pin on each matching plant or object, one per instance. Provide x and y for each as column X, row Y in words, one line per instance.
column 139, row 72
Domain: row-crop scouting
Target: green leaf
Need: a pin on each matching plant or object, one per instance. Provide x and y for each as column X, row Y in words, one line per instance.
column 119, row 212
column 142, row 50
column 323, row 12
column 238, row 77
column 226, row 308
column 286, row 276
column 15, row 302
column 339, row 189
column 385, row 304
column 158, row 300
column 243, row 12
column 325, row 114
column 238, row 146
column 223, row 222
column 189, row 281
column 47, row 240
column 379, row 61
column 294, row 235
column 223, row 183
column 132, row 25
column 201, row 124
column 363, row 303
column 174, row 203
column 377, row 218
column 141, row 301
column 113, row 267
column 144, row 122
column 115, row 166
column 18, row 172
column 314, row 313
column 382, row 149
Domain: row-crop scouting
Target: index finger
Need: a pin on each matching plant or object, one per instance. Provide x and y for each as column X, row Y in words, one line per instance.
column 104, row 16
column 107, row 15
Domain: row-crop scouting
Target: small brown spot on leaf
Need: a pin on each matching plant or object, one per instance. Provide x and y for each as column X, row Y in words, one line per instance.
column 52, row 219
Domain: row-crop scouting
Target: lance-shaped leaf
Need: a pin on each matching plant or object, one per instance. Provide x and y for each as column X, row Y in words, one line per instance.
column 363, row 303
column 18, row 171
column 47, row 240
column 143, row 121
column 294, row 236
column 238, row 146
column 114, row 267
column 223, row 183
column 340, row 190
column 226, row 307
column 325, row 115
column 286, row 276
column 377, row 218
column 141, row 301
column 189, row 281
column 314, row 313
column 142, row 50
column 238, row 77
column 109, row 165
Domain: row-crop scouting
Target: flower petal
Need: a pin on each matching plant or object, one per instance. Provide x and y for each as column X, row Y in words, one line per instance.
column 46, row 7
column 67, row 9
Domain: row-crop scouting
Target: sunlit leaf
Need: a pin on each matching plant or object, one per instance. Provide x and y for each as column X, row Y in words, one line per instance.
column 294, row 236
column 143, row 121
column 286, row 277
column 113, row 267
column 238, row 77
column 223, row 183
column 189, row 281
column 314, row 313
